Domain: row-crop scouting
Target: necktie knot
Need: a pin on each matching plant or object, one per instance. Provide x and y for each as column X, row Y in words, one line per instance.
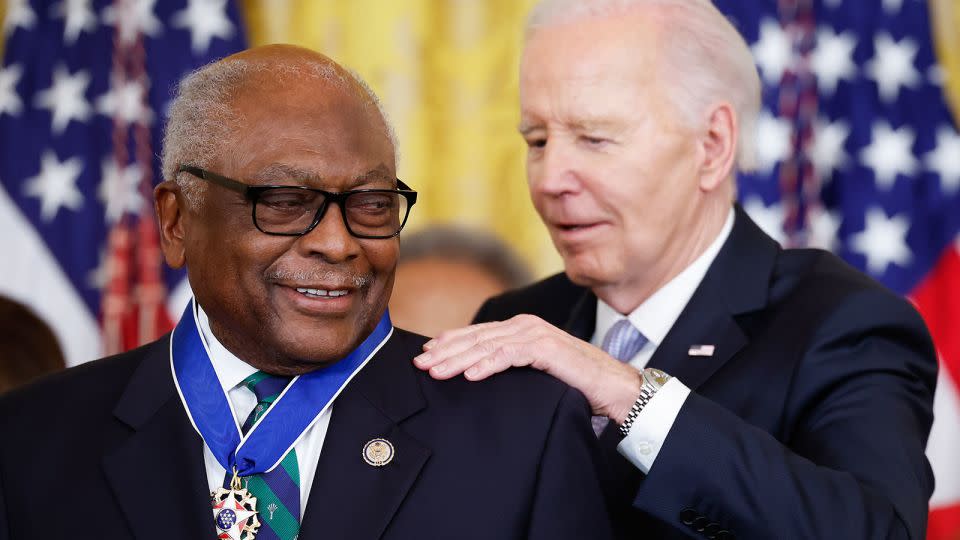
column 623, row 340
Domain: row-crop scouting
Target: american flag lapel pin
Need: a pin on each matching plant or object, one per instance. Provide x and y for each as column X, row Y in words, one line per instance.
column 701, row 350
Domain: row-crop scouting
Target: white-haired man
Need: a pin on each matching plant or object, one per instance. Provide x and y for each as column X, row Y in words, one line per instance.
column 801, row 391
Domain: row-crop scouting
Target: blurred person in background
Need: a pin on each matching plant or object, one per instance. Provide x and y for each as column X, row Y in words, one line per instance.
column 28, row 348
column 741, row 390
column 446, row 272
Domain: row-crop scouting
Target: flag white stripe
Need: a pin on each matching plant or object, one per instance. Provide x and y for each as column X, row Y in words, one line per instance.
column 32, row 276
column 944, row 442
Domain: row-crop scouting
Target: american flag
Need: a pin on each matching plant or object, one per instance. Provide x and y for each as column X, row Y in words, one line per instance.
column 84, row 88
column 859, row 154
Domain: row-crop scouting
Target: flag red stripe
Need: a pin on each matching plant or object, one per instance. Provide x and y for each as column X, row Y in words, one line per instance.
column 938, row 299
column 944, row 523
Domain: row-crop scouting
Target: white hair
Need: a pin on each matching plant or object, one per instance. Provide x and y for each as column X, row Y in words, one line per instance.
column 200, row 117
column 708, row 59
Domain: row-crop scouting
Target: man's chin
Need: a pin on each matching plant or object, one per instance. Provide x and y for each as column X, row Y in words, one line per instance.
column 304, row 359
column 586, row 271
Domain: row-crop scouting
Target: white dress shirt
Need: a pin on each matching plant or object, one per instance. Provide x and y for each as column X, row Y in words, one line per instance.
column 654, row 318
column 231, row 371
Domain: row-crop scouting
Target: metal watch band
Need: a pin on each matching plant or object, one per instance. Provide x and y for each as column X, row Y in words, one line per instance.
column 647, row 390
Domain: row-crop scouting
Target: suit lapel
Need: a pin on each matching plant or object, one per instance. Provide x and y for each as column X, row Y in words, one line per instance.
column 703, row 322
column 349, row 498
column 583, row 316
column 736, row 283
column 158, row 474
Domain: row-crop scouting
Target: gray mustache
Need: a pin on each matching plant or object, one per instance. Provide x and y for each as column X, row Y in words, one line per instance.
column 356, row 280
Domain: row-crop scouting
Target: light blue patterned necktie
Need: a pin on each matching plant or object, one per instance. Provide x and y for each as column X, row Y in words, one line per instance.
column 622, row 342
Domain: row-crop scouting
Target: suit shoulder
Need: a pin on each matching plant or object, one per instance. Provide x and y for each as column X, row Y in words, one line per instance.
column 828, row 288
column 815, row 271
column 517, row 387
column 546, row 299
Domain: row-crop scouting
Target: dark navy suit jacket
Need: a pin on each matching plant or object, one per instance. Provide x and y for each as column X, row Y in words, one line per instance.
column 106, row 451
column 809, row 421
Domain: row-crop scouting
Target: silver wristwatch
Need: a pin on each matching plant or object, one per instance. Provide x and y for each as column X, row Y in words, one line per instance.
column 651, row 380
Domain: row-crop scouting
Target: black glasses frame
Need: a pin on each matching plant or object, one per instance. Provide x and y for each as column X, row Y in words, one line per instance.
column 253, row 193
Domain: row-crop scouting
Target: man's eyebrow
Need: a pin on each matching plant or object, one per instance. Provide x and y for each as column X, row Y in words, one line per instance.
column 584, row 124
column 525, row 127
column 281, row 172
column 381, row 173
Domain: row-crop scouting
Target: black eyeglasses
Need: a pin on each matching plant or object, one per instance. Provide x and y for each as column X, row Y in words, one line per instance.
column 296, row 210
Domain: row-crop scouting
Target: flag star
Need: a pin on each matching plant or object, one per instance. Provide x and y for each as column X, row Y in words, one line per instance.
column 56, row 185
column 134, row 17
column 883, row 241
column 892, row 7
column 19, row 15
column 65, row 98
column 773, row 51
column 889, row 153
column 78, row 17
column 126, row 100
column 769, row 218
column 828, row 153
column 824, row 226
column 205, row 19
column 98, row 276
column 892, row 65
column 9, row 99
column 945, row 158
column 833, row 59
column 120, row 189
column 773, row 140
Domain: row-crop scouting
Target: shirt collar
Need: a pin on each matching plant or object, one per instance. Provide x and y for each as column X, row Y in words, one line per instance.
column 656, row 316
column 230, row 370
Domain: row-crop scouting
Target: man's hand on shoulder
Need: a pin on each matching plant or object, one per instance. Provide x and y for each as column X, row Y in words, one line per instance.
column 481, row 350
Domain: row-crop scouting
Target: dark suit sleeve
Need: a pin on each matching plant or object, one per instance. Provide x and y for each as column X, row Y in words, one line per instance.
column 851, row 464
column 568, row 501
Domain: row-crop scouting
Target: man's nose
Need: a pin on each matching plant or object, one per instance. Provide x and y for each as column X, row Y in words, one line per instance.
column 330, row 239
column 556, row 172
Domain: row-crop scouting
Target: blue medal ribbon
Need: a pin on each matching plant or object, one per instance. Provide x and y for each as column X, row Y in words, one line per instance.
column 294, row 411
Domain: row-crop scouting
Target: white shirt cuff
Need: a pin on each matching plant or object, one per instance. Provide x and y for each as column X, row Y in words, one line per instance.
column 650, row 429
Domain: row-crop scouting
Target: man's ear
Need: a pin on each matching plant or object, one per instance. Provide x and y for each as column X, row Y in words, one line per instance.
column 719, row 146
column 170, row 215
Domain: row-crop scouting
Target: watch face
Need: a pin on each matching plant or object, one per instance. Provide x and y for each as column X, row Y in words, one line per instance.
column 658, row 376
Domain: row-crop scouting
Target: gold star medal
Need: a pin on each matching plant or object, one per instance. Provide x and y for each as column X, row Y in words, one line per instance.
column 235, row 512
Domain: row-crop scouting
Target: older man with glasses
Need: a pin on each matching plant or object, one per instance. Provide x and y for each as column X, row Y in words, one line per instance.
column 284, row 404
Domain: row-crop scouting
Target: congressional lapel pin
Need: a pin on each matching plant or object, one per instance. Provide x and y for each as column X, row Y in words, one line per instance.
column 701, row 350
column 378, row 452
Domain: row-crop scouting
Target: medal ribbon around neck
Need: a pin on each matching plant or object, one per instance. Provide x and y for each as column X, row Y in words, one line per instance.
column 296, row 409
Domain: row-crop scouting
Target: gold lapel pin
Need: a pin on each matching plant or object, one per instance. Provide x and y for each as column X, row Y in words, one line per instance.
column 378, row 452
